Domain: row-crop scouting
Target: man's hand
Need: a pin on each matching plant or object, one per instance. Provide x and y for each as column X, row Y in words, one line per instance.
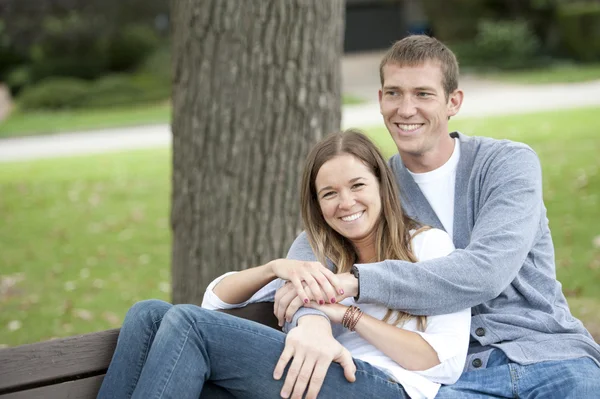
column 313, row 348
column 323, row 285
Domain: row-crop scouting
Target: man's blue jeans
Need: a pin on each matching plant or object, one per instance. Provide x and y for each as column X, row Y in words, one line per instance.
column 565, row 379
column 167, row 351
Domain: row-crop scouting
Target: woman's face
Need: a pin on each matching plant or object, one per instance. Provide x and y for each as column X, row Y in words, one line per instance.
column 348, row 193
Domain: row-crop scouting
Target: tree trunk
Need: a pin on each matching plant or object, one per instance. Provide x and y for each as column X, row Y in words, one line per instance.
column 255, row 84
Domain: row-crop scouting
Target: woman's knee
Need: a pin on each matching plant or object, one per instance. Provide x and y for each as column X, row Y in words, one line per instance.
column 147, row 312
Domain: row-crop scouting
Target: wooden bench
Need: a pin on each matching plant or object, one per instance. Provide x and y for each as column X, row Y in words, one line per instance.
column 74, row 367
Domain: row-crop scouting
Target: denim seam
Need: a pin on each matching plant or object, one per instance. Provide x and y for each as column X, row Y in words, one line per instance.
column 187, row 334
column 144, row 357
column 514, row 379
column 389, row 381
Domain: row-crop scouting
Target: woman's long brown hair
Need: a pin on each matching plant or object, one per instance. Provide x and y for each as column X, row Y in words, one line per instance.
column 392, row 238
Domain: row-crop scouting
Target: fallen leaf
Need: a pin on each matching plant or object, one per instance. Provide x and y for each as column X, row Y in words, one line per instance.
column 14, row 325
column 83, row 314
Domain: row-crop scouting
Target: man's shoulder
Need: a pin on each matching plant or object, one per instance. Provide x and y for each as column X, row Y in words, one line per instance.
column 491, row 150
column 491, row 144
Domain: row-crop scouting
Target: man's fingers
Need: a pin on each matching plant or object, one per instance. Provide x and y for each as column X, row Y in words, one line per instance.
column 317, row 379
column 292, row 375
column 284, row 359
column 293, row 308
column 283, row 304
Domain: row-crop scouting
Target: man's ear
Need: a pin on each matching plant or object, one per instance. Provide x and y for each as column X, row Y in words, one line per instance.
column 454, row 102
column 380, row 95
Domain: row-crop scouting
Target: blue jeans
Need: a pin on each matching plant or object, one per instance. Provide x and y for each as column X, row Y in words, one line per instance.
column 502, row 378
column 184, row 351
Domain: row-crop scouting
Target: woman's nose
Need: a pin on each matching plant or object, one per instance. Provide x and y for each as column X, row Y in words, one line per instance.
column 347, row 201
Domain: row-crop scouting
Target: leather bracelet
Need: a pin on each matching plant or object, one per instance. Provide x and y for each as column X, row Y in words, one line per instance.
column 351, row 317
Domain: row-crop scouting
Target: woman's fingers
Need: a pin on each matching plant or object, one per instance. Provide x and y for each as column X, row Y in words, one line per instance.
column 292, row 375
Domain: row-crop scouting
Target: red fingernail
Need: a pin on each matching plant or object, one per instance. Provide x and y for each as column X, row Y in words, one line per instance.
column 332, row 300
column 305, row 300
column 341, row 292
column 321, row 302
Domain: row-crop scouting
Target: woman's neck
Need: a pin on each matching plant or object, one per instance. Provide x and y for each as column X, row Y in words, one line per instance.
column 365, row 250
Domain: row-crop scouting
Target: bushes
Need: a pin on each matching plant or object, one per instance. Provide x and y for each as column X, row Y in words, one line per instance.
column 54, row 93
column 113, row 90
column 579, row 26
column 500, row 45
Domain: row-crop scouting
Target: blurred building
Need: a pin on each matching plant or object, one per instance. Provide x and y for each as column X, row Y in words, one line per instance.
column 376, row 24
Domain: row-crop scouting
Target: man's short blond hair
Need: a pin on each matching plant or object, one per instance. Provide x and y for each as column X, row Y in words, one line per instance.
column 416, row 50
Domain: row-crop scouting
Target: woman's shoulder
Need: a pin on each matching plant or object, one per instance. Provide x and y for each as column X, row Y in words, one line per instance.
column 430, row 243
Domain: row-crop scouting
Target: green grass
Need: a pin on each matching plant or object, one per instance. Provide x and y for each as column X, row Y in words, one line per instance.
column 85, row 237
column 553, row 74
column 22, row 123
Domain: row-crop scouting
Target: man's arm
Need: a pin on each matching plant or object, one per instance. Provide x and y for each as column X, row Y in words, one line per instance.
column 507, row 221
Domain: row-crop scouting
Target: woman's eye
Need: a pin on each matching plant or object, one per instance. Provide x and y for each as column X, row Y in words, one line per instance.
column 328, row 195
column 358, row 185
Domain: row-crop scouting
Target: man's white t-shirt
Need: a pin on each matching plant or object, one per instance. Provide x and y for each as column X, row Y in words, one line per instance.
column 438, row 187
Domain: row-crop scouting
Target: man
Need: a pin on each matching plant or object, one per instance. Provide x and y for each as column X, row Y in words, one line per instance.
column 487, row 194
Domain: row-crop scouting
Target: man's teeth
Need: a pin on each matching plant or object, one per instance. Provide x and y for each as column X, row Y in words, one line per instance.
column 408, row 128
column 352, row 217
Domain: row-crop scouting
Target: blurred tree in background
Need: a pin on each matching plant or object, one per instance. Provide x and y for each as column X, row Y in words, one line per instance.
column 517, row 33
column 82, row 39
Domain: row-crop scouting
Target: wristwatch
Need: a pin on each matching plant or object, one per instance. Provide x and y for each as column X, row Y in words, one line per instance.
column 355, row 272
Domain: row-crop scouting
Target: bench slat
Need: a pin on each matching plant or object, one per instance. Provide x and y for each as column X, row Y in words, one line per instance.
column 26, row 367
column 85, row 388
column 35, row 365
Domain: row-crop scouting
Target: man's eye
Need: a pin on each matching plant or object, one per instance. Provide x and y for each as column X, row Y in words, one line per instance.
column 391, row 93
column 423, row 94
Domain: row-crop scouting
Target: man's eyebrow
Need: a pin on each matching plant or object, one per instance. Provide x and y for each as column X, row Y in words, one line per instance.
column 354, row 180
column 425, row 88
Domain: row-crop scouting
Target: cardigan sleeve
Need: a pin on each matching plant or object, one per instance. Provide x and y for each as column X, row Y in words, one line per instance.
column 507, row 217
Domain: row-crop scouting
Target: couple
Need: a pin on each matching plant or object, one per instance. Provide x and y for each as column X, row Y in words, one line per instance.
column 399, row 302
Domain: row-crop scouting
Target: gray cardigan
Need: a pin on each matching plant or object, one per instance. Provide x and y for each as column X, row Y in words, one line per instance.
column 503, row 266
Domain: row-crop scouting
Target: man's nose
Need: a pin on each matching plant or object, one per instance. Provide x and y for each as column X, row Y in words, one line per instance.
column 406, row 107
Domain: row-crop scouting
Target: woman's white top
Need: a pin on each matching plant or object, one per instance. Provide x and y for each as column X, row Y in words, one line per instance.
column 447, row 334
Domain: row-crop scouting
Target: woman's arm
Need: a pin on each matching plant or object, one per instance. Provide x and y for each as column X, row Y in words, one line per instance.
column 437, row 353
column 241, row 286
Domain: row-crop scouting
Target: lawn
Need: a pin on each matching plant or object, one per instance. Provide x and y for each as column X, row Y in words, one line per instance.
column 569, row 73
column 21, row 123
column 85, row 237
column 46, row 122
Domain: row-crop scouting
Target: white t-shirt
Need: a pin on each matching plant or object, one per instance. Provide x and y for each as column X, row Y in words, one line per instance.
column 438, row 187
column 447, row 334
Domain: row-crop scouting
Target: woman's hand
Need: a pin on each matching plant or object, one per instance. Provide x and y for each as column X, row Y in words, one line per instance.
column 287, row 300
column 323, row 286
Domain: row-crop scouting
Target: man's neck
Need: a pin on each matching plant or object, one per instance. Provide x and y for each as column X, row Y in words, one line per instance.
column 431, row 160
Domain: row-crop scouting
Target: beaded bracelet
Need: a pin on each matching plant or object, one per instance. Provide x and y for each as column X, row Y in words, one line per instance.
column 351, row 317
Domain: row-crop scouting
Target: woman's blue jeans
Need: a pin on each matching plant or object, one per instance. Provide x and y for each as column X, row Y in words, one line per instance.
column 184, row 351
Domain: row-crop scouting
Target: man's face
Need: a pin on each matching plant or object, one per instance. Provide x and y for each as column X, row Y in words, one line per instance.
column 415, row 111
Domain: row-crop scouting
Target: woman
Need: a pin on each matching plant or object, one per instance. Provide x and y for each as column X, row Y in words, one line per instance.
column 352, row 214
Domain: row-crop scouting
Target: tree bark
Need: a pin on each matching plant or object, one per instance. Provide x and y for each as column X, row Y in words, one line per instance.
column 255, row 84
